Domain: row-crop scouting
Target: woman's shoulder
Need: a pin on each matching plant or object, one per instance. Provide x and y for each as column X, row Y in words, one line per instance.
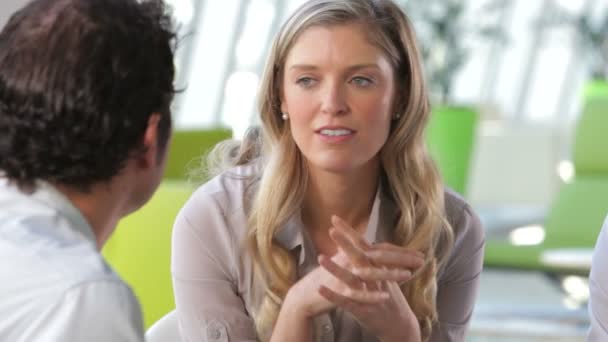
column 462, row 217
column 222, row 201
column 466, row 257
column 212, row 225
column 228, row 189
column 469, row 234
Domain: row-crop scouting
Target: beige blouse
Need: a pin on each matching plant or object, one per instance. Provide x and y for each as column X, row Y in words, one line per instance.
column 216, row 291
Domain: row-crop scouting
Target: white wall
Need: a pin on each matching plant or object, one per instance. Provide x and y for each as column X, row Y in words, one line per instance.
column 8, row 7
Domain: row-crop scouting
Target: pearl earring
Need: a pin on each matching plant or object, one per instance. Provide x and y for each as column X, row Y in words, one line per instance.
column 285, row 116
column 396, row 116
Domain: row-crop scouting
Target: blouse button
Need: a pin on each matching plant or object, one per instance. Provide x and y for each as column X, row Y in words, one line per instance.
column 214, row 330
column 326, row 328
column 214, row 334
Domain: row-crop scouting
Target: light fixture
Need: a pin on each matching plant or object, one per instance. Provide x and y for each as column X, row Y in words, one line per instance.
column 527, row 235
column 565, row 170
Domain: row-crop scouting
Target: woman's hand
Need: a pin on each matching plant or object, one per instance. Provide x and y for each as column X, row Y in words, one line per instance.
column 362, row 279
column 373, row 265
column 309, row 302
column 377, row 257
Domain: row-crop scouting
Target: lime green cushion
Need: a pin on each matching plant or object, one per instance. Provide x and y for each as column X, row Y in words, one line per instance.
column 596, row 88
column 576, row 216
column 503, row 254
column 188, row 147
column 591, row 146
column 140, row 249
column 574, row 220
column 450, row 136
column 578, row 211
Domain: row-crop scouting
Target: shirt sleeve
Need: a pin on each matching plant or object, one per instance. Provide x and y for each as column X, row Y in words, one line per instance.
column 203, row 264
column 598, row 282
column 459, row 282
column 94, row 311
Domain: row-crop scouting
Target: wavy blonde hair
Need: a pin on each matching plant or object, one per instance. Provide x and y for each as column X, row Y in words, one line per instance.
column 409, row 175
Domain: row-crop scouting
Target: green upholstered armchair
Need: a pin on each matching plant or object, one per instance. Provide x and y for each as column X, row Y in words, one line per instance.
column 576, row 215
column 140, row 249
column 451, row 136
column 188, row 147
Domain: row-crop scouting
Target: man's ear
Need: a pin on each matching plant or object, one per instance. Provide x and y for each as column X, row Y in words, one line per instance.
column 149, row 156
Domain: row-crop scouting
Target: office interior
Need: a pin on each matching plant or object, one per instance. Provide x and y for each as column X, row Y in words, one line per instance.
column 518, row 129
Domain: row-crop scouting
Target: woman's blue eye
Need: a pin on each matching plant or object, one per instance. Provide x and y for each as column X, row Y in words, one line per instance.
column 361, row 81
column 305, row 82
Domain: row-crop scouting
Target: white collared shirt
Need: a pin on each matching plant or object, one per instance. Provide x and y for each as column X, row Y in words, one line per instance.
column 54, row 284
column 598, row 288
column 216, row 290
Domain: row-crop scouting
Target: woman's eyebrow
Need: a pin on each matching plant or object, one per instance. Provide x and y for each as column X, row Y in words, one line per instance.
column 350, row 68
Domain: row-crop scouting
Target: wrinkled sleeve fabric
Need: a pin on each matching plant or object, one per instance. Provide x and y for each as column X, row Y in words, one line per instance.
column 459, row 283
column 94, row 311
column 204, row 272
column 598, row 289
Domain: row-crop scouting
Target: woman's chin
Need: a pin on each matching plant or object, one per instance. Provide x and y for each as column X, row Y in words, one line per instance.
column 336, row 166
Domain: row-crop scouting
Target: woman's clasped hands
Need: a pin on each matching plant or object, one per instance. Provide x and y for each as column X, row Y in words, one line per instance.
column 363, row 279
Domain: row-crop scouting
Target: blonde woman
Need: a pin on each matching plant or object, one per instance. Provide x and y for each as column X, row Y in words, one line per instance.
column 332, row 223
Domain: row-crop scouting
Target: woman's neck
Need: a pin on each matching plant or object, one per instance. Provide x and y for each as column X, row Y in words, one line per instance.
column 349, row 196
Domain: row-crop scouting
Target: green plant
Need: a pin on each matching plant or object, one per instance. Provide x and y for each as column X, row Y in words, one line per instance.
column 591, row 35
column 447, row 32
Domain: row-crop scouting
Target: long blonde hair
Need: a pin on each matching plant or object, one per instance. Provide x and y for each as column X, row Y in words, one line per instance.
column 408, row 173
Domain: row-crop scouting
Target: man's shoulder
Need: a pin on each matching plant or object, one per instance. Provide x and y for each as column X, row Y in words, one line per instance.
column 73, row 297
column 45, row 259
column 96, row 310
column 102, row 295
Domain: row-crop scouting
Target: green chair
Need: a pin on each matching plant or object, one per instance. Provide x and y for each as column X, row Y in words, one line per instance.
column 576, row 215
column 596, row 88
column 140, row 249
column 187, row 149
column 450, row 136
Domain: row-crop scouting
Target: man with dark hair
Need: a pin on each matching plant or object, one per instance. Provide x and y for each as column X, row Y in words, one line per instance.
column 85, row 94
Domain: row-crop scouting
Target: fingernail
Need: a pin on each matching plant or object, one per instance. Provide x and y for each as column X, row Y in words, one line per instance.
column 339, row 222
column 405, row 274
column 335, row 219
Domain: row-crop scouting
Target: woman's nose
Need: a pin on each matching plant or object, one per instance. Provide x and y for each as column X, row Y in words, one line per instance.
column 334, row 99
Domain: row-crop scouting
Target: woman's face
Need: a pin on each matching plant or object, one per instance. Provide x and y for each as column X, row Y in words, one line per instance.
column 338, row 91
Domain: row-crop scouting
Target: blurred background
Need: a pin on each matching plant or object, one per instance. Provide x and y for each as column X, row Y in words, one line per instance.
column 520, row 102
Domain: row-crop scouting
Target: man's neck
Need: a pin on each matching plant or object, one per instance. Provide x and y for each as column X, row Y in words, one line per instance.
column 102, row 206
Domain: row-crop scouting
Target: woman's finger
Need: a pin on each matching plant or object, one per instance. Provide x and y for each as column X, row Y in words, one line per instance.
column 395, row 259
column 341, row 273
column 351, row 297
column 375, row 274
column 357, row 239
column 356, row 255
column 395, row 248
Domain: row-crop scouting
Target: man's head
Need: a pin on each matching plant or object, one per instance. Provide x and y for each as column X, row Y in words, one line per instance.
column 85, row 89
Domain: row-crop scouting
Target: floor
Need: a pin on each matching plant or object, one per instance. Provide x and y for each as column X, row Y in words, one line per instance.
column 525, row 307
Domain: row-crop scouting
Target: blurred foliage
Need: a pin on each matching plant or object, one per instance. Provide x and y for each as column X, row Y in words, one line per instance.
column 591, row 30
column 448, row 31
